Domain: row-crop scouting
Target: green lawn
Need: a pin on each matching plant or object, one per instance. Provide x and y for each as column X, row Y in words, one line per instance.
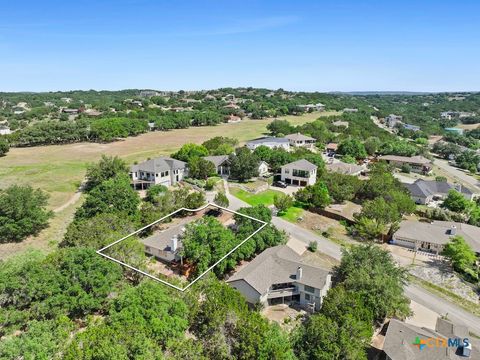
column 292, row 214
column 264, row 197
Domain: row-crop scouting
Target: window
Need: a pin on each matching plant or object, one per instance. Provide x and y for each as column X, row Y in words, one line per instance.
column 309, row 289
column 287, row 171
column 156, row 175
column 166, row 173
column 307, row 297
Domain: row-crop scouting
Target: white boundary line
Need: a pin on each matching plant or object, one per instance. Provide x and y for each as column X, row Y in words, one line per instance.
column 100, row 251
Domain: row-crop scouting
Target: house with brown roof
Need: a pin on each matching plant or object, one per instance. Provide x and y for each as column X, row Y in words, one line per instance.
column 418, row 164
column 278, row 276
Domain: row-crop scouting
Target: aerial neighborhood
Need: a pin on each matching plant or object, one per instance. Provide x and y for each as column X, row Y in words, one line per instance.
column 331, row 214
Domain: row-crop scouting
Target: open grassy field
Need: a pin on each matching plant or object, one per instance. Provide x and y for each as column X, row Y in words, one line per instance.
column 59, row 169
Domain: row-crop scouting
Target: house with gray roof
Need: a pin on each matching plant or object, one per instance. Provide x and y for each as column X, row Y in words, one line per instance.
column 433, row 236
column 301, row 173
column 425, row 191
column 278, row 275
column 447, row 341
column 300, row 140
column 269, row 141
column 221, row 162
column 159, row 171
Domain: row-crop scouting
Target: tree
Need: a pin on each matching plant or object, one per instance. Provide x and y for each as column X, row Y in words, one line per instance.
column 199, row 168
column 321, row 338
column 342, row 187
column 194, row 200
column 353, row 148
column 372, row 273
column 220, row 145
column 98, row 231
column 372, row 144
column 4, row 147
column 154, row 191
column 460, row 254
column 315, row 196
column 369, row 229
column 243, row 165
column 455, row 201
column 190, row 151
column 108, row 167
column 111, row 196
column 22, row 212
column 221, row 200
column 205, row 241
column 282, row 202
column 468, row 160
column 277, row 127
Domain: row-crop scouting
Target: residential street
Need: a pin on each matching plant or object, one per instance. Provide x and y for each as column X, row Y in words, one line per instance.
column 414, row 292
column 458, row 174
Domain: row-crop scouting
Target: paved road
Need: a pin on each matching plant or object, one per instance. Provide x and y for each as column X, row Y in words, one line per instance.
column 414, row 292
column 458, row 174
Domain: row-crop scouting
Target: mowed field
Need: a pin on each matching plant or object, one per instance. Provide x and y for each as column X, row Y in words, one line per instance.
column 59, row 169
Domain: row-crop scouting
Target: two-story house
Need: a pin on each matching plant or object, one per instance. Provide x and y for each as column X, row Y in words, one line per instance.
column 301, row 173
column 278, row 276
column 162, row 170
column 300, row 140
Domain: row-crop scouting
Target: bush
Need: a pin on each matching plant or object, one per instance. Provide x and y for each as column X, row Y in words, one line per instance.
column 313, row 246
column 406, row 169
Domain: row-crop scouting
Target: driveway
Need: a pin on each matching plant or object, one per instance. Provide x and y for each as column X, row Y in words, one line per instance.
column 412, row 291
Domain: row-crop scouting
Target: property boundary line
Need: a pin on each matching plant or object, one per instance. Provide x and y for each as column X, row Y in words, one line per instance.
column 100, row 251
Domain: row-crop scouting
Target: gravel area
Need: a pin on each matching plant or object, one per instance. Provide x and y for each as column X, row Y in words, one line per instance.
column 441, row 275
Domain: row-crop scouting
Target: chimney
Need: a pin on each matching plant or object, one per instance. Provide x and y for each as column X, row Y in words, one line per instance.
column 453, row 230
column 298, row 276
column 174, row 244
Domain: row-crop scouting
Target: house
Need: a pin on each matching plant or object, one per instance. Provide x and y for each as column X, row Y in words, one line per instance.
column 300, row 172
column 222, row 165
column 424, row 192
column 70, row 111
column 404, row 342
column 340, row 123
column 269, row 141
column 165, row 245
column 5, row 130
column 300, row 140
column 392, row 120
column 162, row 170
column 331, row 149
column 411, row 127
column 279, row 276
column 432, row 237
column 345, row 168
column 221, row 162
column 418, row 164
column 312, row 107
column 350, row 110
column 148, row 93
column 234, row 119
column 263, row 168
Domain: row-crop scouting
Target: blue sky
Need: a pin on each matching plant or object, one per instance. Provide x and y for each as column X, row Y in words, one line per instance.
column 297, row 45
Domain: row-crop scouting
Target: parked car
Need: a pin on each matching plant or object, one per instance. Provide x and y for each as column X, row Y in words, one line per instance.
column 280, row 184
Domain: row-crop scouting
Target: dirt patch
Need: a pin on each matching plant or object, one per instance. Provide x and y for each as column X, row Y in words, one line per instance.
column 287, row 317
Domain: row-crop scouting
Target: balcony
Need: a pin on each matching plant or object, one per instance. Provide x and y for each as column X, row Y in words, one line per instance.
column 282, row 292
